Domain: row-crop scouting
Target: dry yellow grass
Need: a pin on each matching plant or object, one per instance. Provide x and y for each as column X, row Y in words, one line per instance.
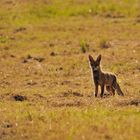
column 44, row 58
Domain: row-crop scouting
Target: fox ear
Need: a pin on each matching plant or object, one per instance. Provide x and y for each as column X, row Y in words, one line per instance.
column 91, row 59
column 98, row 59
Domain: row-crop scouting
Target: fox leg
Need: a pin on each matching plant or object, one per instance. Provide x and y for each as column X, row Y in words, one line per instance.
column 102, row 90
column 107, row 88
column 96, row 90
column 112, row 90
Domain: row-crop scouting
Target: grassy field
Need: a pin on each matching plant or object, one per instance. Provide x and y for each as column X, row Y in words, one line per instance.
column 44, row 48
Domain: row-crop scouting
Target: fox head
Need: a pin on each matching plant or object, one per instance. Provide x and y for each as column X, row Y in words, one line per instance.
column 95, row 64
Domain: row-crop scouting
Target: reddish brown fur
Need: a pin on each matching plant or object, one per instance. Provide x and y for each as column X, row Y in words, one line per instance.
column 103, row 79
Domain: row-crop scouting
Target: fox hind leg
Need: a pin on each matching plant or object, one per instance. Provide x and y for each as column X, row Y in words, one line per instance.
column 107, row 88
column 111, row 90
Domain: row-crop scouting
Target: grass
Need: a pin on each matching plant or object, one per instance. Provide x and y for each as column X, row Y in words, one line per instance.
column 58, row 89
column 23, row 13
column 84, row 46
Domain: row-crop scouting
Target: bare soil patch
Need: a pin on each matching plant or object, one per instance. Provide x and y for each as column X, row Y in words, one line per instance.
column 130, row 102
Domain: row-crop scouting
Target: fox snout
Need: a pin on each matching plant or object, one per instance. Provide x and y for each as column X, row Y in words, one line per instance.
column 95, row 68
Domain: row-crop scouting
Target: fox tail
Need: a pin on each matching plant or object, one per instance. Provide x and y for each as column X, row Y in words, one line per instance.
column 118, row 89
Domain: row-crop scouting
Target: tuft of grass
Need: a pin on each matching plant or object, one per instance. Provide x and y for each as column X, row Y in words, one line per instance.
column 4, row 39
column 84, row 46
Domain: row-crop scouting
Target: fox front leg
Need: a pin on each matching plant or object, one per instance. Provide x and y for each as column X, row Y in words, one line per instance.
column 102, row 90
column 96, row 90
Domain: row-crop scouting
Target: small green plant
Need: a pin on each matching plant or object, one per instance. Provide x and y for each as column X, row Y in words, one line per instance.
column 4, row 39
column 84, row 46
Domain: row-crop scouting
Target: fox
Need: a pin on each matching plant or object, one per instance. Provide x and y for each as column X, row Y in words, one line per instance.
column 103, row 79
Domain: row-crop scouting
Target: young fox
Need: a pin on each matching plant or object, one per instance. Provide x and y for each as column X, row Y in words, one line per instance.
column 103, row 79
